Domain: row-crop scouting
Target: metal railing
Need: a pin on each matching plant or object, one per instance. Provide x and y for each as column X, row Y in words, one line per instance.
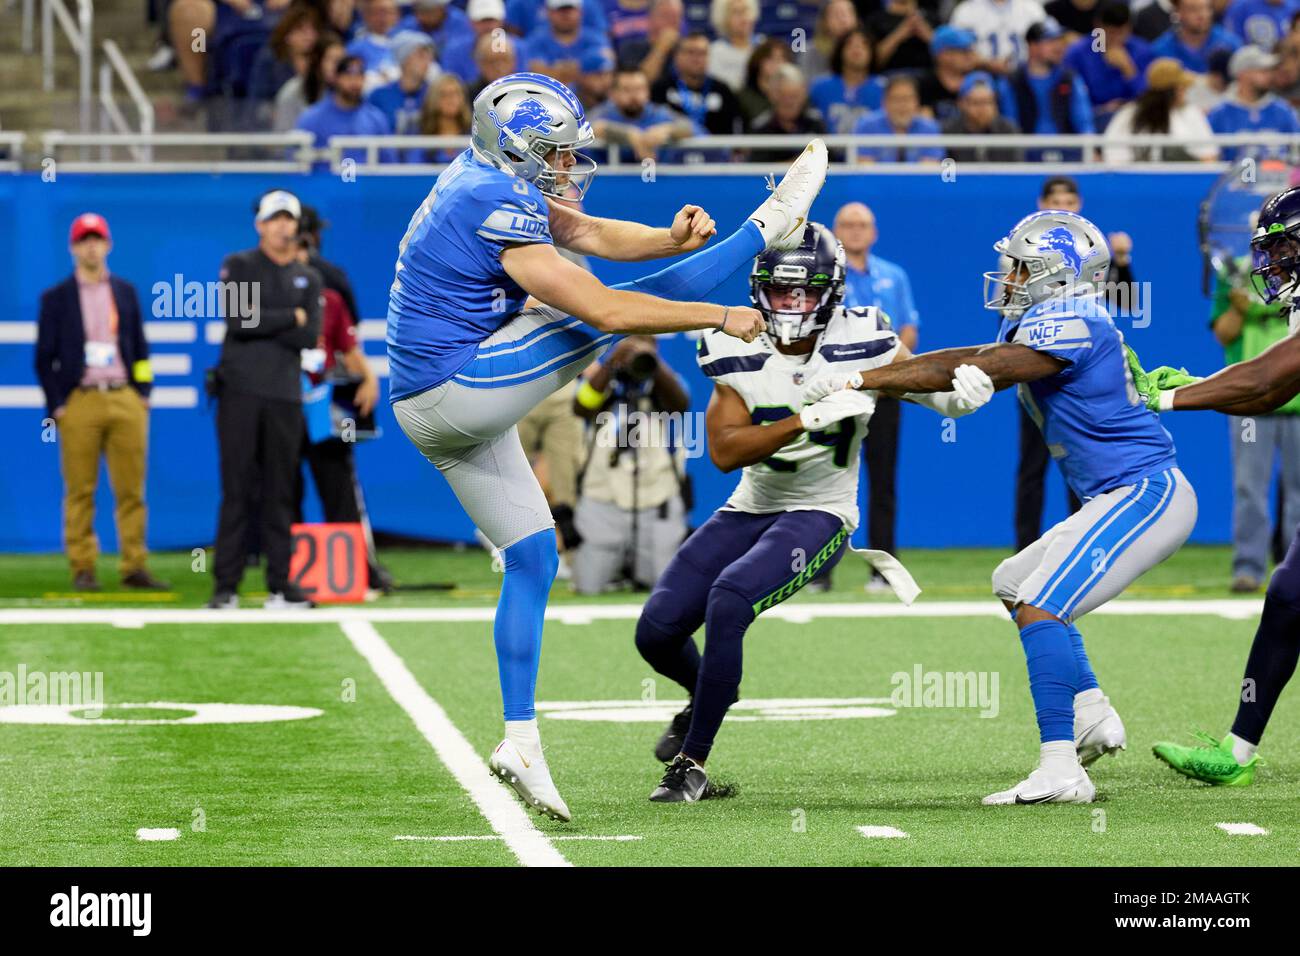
column 11, row 151
column 293, row 149
column 848, row 150
column 111, row 118
column 79, row 37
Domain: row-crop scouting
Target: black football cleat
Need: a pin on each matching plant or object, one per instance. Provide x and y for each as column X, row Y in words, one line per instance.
column 670, row 744
column 684, row 782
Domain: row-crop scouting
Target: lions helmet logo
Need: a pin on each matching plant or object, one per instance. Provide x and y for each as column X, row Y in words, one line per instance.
column 528, row 115
column 1060, row 239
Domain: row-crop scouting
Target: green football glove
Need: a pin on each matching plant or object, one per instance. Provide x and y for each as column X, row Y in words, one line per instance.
column 1150, row 384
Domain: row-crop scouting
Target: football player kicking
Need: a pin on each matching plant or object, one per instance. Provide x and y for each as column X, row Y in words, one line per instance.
column 1258, row 386
column 791, row 516
column 1061, row 347
column 486, row 319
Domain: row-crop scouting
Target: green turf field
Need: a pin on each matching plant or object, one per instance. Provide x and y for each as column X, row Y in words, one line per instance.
column 386, row 764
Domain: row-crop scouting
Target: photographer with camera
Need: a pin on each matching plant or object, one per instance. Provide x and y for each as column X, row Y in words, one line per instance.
column 633, row 495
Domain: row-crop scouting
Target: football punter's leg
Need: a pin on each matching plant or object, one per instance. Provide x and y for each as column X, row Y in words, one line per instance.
column 763, row 577
column 494, row 483
column 697, row 277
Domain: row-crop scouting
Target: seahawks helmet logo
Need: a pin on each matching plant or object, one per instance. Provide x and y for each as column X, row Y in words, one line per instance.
column 1060, row 239
column 528, row 114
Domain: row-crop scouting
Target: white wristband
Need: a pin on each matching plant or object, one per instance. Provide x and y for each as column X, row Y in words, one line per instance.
column 1167, row 399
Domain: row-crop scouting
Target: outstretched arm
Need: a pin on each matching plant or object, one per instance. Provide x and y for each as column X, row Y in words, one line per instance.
column 555, row 281
column 621, row 241
column 1005, row 363
column 1266, row 382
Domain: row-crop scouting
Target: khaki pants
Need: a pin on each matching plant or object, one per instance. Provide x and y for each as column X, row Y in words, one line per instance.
column 113, row 424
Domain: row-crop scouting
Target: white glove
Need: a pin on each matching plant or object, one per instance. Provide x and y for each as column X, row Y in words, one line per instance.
column 842, row 404
column 828, row 382
column 971, row 387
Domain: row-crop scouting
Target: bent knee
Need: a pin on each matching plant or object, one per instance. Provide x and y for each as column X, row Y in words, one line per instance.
column 1006, row 581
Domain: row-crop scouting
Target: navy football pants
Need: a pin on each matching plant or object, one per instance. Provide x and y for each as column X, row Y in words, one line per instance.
column 735, row 566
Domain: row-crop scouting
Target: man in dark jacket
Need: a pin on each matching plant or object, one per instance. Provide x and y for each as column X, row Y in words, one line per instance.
column 93, row 364
column 272, row 306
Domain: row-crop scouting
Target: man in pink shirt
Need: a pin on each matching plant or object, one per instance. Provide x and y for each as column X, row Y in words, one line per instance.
column 93, row 365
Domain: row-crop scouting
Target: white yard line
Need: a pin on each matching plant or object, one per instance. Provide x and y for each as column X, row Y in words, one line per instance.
column 580, row 614
column 619, row 838
column 158, row 833
column 888, row 833
column 1242, row 829
column 498, row 806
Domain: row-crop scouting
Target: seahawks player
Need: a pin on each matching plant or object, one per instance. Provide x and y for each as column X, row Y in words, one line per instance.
column 486, row 319
column 1258, row 386
column 1061, row 347
column 797, row 494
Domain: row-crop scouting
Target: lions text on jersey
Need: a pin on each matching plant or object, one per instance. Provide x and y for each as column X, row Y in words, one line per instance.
column 1092, row 418
column 819, row 470
column 451, row 292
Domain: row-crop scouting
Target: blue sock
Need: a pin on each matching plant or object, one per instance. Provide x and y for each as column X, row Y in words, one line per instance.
column 698, row 276
column 1087, row 679
column 1052, row 678
column 530, row 566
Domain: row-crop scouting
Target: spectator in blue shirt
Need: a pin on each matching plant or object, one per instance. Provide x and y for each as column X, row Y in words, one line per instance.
column 1114, row 73
column 1260, row 22
column 1194, row 38
column 597, row 79
column 288, row 54
column 343, row 113
column 485, row 17
column 1251, row 104
column 494, row 57
column 1043, row 96
column 440, row 20
column 873, row 281
column 630, row 119
column 849, row 90
column 371, row 44
column 900, row 116
column 400, row 101
column 558, row 46
column 521, row 17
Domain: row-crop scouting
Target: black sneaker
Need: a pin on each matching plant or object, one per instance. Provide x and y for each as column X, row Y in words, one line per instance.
column 670, row 744
column 288, row 598
column 683, row 782
column 224, row 601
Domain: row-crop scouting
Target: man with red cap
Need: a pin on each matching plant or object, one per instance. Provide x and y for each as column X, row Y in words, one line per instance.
column 93, row 364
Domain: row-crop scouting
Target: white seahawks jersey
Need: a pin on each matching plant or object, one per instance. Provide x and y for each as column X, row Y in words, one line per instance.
column 1293, row 317
column 818, row 471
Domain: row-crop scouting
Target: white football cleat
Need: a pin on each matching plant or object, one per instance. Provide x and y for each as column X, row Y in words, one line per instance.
column 784, row 213
column 1043, row 786
column 531, row 779
column 1098, row 731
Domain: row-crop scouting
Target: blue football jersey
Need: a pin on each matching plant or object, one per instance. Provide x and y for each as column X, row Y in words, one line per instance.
column 1092, row 418
column 450, row 292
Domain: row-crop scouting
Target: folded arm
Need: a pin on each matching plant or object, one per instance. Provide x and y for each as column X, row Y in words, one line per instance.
column 621, row 241
column 734, row 440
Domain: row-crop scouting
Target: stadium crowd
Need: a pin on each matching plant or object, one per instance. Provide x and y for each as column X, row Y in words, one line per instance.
column 653, row 72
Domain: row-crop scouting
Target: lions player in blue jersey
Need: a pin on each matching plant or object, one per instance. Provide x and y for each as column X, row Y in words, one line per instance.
column 486, row 319
column 1061, row 348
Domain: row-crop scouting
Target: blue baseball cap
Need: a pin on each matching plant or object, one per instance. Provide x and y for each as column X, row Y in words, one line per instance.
column 596, row 61
column 951, row 38
column 976, row 78
column 1045, row 29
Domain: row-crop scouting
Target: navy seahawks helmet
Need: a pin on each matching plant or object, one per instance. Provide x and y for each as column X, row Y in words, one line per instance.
column 1275, row 247
column 816, row 267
